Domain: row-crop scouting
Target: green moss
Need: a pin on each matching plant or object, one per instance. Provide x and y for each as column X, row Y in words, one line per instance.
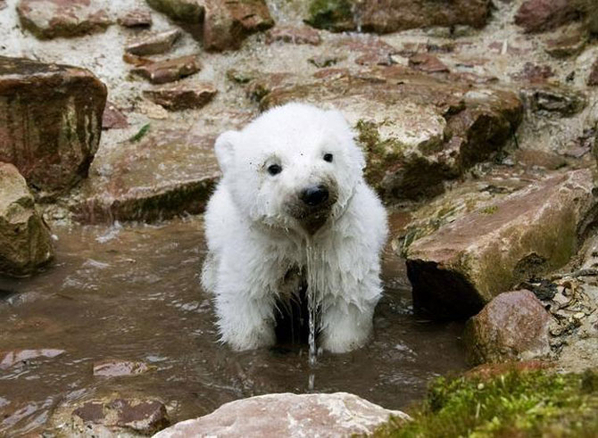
column 491, row 209
column 142, row 132
column 514, row 404
column 334, row 15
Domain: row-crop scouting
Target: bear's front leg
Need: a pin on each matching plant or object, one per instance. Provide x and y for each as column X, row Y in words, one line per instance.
column 345, row 326
column 244, row 322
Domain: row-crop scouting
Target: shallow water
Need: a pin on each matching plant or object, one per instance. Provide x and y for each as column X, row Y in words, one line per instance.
column 133, row 293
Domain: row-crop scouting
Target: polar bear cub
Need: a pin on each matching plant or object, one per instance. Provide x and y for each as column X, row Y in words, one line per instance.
column 292, row 197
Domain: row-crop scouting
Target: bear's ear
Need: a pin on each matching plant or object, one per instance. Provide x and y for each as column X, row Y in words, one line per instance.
column 225, row 149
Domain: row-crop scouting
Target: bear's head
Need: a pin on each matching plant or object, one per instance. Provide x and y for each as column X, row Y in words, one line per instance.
column 295, row 166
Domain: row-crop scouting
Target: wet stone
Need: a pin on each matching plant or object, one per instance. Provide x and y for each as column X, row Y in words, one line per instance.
column 542, row 15
column 153, row 44
column 25, row 240
column 293, row 35
column 170, row 70
column 337, row 414
column 50, row 121
column 513, row 326
column 136, row 18
column 182, row 96
column 48, row 19
column 12, row 358
column 556, row 100
column 118, row 368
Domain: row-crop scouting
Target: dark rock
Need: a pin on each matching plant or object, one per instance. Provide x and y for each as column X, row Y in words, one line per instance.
column 427, row 63
column 293, row 35
column 228, row 23
column 541, row 15
column 543, row 289
column 570, row 42
column 165, row 174
column 323, row 61
column 593, row 78
column 170, row 70
column 533, row 73
column 465, row 263
column 312, row 415
column 186, row 11
column 153, row 44
column 25, row 241
column 119, row 368
column 136, row 18
column 113, row 118
column 184, row 96
column 563, row 101
column 395, row 15
column 9, row 359
column 50, row 121
column 513, row 326
column 59, row 18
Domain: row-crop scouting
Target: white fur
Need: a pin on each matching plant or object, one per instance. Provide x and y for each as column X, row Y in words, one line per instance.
column 253, row 241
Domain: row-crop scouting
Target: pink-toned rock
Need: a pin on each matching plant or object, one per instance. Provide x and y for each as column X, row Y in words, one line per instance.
column 513, row 326
column 118, row 368
column 534, row 73
column 153, row 44
column 169, row 70
column 541, row 15
column 288, row 415
column 12, row 358
column 593, row 78
column 50, row 121
column 2, row 4
column 455, row 270
column 136, row 18
column 294, row 35
column 228, row 23
column 182, row 96
column 427, row 63
column 373, row 51
column 59, row 18
column 114, row 118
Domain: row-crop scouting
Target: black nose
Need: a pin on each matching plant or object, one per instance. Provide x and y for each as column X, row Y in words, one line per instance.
column 314, row 196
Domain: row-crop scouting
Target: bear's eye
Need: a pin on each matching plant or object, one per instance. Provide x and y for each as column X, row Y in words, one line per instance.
column 328, row 157
column 274, row 169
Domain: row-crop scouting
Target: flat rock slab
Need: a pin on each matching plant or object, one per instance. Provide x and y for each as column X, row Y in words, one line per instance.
column 165, row 174
column 293, row 35
column 59, row 18
column 119, row 368
column 417, row 130
column 182, row 96
column 25, row 240
column 394, row 15
column 136, row 18
column 169, row 70
column 288, row 415
column 153, row 44
column 50, row 121
column 513, row 326
column 12, row 358
column 465, row 263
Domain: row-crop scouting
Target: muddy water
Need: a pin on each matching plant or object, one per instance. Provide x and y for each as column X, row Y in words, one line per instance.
column 133, row 293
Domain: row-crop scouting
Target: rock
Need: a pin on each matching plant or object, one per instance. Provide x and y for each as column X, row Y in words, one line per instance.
column 112, row 416
column 593, row 78
column 562, row 101
column 185, row 96
column 373, row 50
column 513, row 326
column 113, row 118
column 48, row 19
column 569, row 42
column 164, row 174
column 136, row 18
column 154, row 44
column 12, row 358
column 118, row 368
column 395, row 15
column 455, row 270
column 541, row 15
column 533, row 73
column 170, row 70
column 2, row 4
column 25, row 241
column 50, row 121
column 186, row 11
column 289, row 415
column 228, row 23
column 439, row 130
column 427, row 63
column 323, row 61
column 294, row 35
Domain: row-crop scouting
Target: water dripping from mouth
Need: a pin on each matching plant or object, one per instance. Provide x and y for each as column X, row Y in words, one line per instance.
column 313, row 289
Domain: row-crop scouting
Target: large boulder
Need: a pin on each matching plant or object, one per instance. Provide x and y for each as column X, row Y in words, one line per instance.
column 50, row 121
column 513, row 326
column 468, row 261
column 541, row 15
column 25, row 240
column 58, row 18
column 288, row 415
column 417, row 130
column 186, row 11
column 394, row 15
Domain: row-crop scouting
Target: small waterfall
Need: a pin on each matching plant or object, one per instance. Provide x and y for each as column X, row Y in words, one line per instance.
column 314, row 291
